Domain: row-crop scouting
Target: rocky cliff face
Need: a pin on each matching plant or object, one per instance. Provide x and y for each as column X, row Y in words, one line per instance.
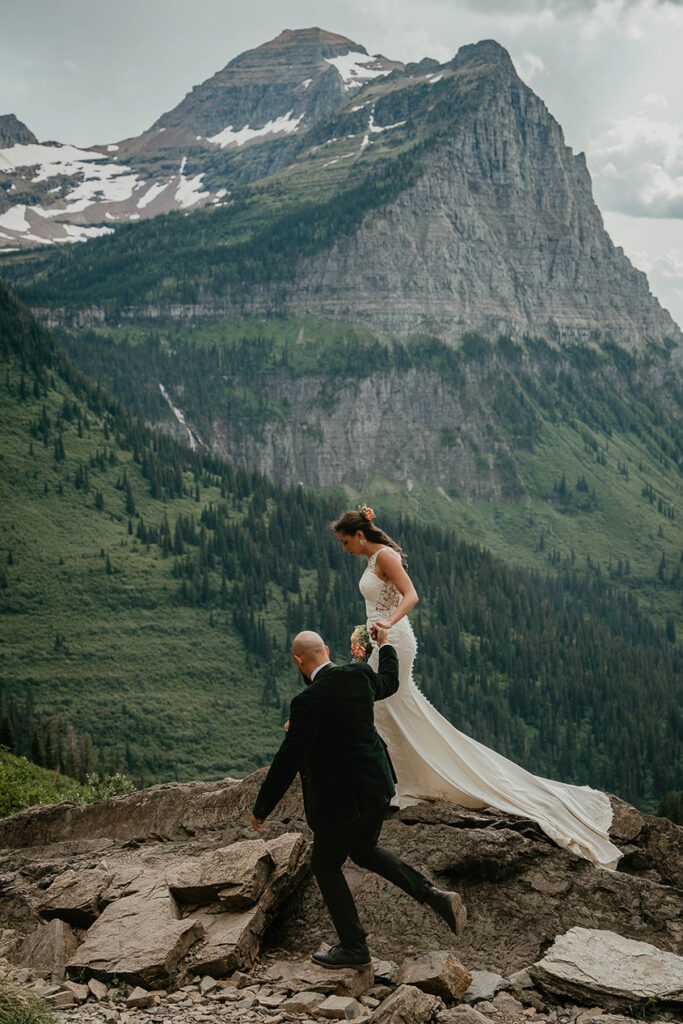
column 299, row 76
column 413, row 424
column 13, row 132
column 499, row 234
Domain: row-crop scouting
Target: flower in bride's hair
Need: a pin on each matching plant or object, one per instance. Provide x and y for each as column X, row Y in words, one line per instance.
column 366, row 512
column 361, row 645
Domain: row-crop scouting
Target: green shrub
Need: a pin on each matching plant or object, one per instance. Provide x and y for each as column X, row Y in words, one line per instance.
column 19, row 1006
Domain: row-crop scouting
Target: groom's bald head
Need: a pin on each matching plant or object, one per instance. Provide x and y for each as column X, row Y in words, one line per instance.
column 308, row 643
column 309, row 651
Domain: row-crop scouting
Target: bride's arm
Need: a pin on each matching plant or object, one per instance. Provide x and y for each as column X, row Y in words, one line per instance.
column 390, row 568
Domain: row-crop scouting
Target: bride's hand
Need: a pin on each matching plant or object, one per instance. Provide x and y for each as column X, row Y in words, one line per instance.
column 383, row 624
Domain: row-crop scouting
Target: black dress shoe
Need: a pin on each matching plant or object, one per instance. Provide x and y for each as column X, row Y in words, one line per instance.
column 447, row 905
column 343, row 956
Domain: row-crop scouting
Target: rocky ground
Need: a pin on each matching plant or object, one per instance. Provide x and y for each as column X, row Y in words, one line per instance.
column 164, row 906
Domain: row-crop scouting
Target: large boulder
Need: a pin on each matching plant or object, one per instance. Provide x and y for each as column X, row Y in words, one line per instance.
column 76, row 896
column 603, row 968
column 139, row 938
column 236, row 874
column 47, row 950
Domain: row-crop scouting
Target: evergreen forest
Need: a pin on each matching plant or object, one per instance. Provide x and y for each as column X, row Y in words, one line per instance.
column 149, row 594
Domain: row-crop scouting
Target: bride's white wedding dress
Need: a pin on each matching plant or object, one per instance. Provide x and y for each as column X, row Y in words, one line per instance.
column 434, row 761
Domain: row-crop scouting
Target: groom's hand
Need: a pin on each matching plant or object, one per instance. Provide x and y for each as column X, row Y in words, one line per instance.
column 257, row 824
column 378, row 634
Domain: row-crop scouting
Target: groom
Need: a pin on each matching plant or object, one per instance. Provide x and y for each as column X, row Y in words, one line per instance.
column 347, row 782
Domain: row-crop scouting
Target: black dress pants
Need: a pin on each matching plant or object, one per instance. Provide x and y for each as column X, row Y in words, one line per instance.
column 357, row 839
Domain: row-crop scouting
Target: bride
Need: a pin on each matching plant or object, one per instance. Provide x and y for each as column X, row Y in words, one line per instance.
column 432, row 759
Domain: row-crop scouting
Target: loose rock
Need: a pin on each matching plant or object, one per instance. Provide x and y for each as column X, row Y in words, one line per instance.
column 436, row 972
column 339, row 1008
column 98, row 988
column 407, row 1005
column 484, row 985
column 463, row 1014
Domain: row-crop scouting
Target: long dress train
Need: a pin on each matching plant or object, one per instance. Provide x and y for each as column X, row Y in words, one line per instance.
column 434, row 761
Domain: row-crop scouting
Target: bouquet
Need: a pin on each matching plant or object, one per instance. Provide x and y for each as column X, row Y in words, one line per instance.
column 361, row 645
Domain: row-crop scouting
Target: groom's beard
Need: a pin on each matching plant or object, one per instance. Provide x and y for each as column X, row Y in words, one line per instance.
column 307, row 679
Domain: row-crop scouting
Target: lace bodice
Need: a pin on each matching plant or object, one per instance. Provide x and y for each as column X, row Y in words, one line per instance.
column 381, row 596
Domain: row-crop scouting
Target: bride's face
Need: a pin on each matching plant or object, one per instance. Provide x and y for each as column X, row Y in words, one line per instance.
column 352, row 542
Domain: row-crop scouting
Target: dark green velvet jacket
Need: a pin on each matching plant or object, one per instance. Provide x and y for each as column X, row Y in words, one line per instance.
column 332, row 742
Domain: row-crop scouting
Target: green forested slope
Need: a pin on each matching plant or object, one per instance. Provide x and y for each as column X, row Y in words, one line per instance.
column 149, row 594
column 584, row 446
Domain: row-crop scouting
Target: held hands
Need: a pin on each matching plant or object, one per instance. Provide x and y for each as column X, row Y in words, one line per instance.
column 257, row 824
column 378, row 632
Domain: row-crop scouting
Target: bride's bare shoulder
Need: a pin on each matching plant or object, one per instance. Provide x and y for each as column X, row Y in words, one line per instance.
column 385, row 559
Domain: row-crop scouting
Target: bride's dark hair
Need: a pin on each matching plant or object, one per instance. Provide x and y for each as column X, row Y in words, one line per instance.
column 349, row 522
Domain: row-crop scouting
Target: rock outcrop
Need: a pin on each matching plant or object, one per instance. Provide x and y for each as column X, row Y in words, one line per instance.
column 185, row 854
column 169, row 888
column 14, row 132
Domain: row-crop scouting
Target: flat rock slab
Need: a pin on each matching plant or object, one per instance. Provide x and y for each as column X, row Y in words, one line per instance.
column 601, row 967
column 437, row 972
column 296, row 976
column 484, row 985
column 236, row 874
column 138, row 938
column 302, row 1002
column 462, row 1014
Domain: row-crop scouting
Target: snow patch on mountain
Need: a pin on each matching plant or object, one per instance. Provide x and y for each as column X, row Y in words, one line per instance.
column 355, row 68
column 52, row 160
column 15, row 219
column 230, row 136
column 188, row 190
column 81, row 233
column 152, row 192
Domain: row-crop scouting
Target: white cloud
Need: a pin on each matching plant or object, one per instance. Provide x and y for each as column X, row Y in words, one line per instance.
column 637, row 167
column 71, row 65
column 655, row 100
column 529, row 66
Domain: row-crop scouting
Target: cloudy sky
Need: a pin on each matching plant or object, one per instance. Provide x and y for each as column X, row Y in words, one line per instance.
column 93, row 71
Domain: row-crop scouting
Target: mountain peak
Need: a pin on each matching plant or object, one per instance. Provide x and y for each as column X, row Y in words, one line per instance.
column 306, row 37
column 14, row 132
column 487, row 51
column 296, row 47
column 275, row 89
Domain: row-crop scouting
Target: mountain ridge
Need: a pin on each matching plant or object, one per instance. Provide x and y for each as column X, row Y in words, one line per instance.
column 439, row 203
